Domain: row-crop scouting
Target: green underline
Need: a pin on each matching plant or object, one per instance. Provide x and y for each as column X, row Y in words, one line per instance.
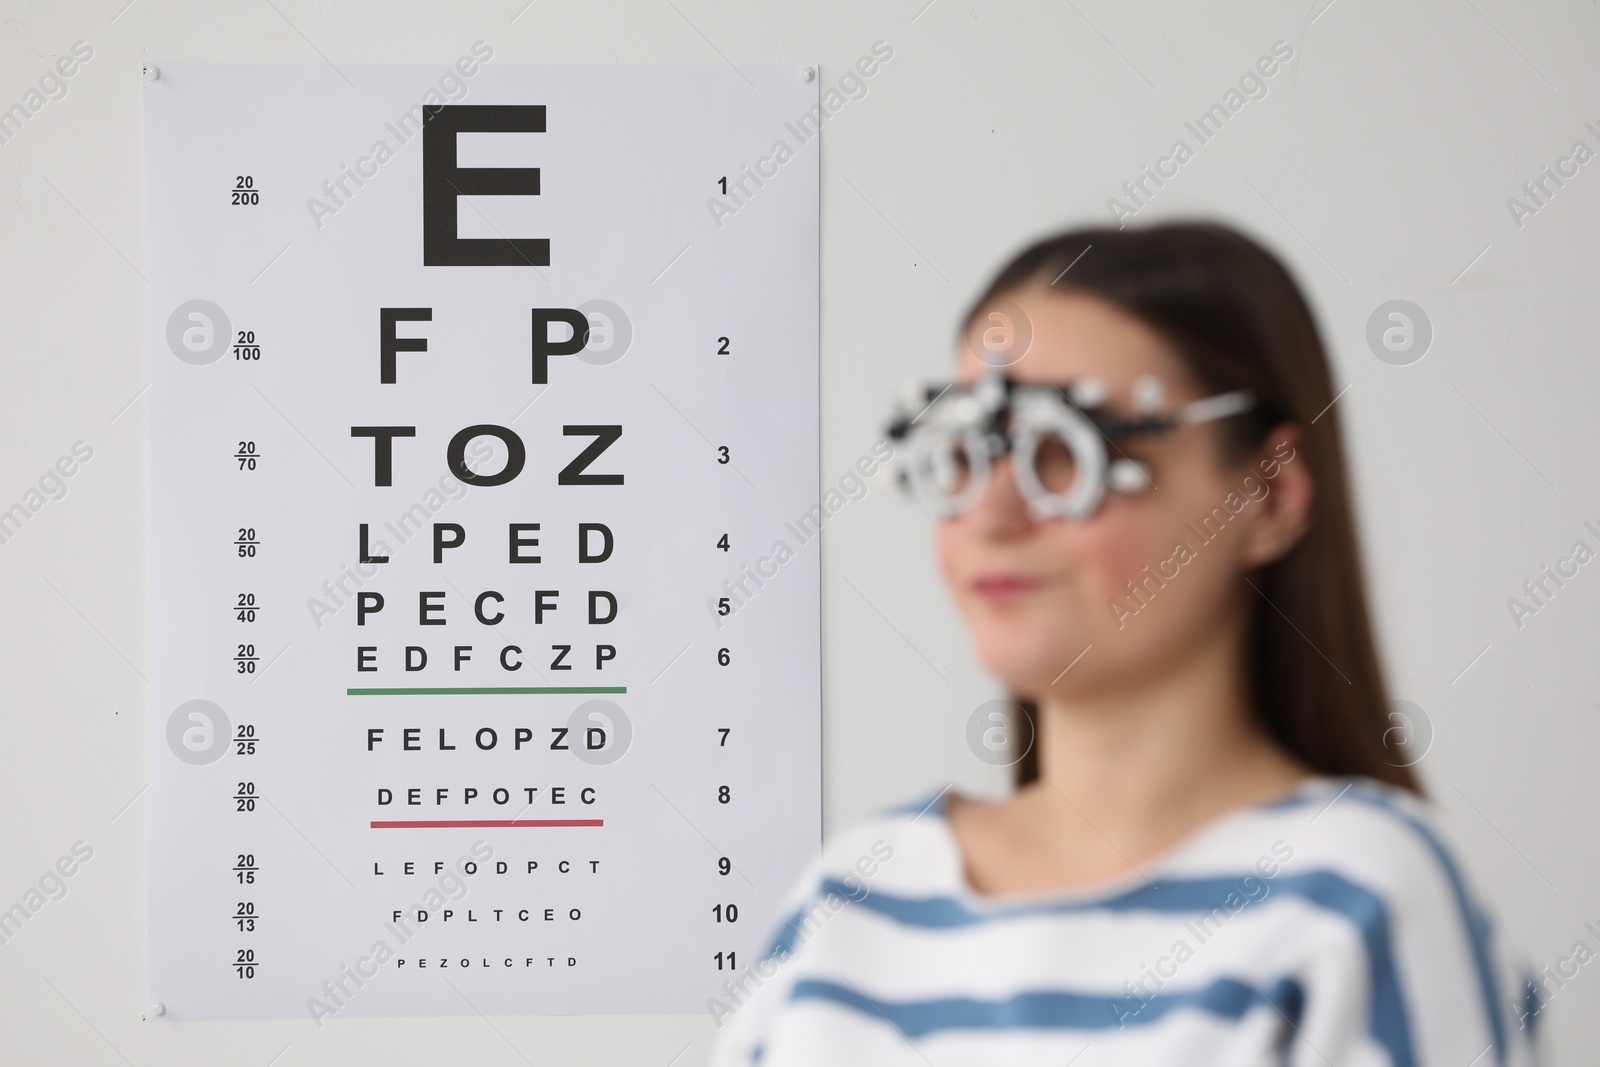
column 529, row 690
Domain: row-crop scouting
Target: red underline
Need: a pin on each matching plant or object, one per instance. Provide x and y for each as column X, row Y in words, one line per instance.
column 483, row 823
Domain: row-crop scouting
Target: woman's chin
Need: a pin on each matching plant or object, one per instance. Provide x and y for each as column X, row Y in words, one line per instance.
column 1029, row 663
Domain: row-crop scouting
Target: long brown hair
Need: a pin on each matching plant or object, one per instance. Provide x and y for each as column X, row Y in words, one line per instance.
column 1235, row 316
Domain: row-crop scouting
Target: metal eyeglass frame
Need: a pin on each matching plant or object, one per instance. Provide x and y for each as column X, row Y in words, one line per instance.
column 976, row 416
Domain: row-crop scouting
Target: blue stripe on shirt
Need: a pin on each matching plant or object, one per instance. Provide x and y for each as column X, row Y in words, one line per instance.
column 1228, row 998
column 1476, row 923
column 1390, row 1024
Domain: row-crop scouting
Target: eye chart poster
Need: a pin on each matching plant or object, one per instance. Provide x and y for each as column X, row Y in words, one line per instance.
column 483, row 513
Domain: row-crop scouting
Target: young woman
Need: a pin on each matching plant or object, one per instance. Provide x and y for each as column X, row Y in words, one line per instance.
column 1216, row 852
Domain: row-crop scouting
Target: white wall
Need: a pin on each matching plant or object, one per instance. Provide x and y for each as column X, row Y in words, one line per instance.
column 1379, row 164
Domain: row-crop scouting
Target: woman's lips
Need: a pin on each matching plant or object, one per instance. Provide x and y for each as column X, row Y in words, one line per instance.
column 1003, row 587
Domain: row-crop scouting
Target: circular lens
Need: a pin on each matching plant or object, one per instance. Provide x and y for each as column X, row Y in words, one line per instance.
column 948, row 467
column 1060, row 459
column 1054, row 464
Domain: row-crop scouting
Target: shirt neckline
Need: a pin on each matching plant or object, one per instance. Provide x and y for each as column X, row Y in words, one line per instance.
column 1147, row 875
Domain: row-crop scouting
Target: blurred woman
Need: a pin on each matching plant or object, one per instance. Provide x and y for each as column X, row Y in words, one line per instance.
column 1216, row 852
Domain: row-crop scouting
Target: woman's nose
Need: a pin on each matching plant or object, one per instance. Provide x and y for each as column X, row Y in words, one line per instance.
column 1002, row 509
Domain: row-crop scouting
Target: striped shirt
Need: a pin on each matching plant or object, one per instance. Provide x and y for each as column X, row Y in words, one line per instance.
column 1331, row 928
